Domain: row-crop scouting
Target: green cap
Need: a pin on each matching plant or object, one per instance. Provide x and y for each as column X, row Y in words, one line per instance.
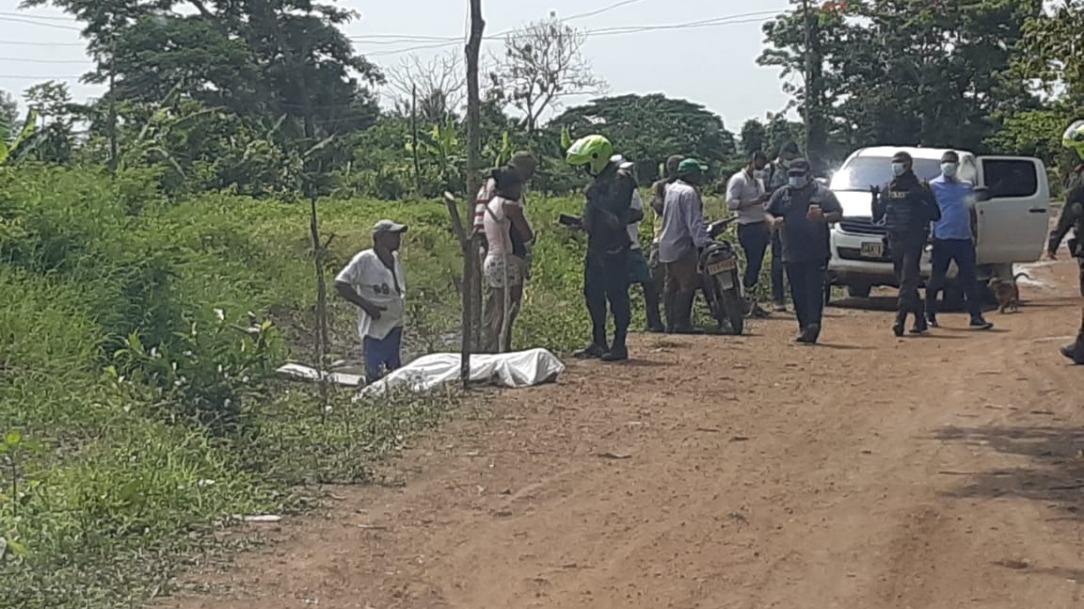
column 692, row 166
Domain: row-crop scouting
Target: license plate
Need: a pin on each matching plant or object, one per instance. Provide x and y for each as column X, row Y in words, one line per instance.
column 873, row 249
column 723, row 266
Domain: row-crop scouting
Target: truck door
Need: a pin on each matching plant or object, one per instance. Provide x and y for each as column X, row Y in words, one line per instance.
column 1014, row 222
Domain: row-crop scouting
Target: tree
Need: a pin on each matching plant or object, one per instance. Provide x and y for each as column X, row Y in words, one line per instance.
column 439, row 85
column 9, row 109
column 52, row 102
column 753, row 136
column 1049, row 52
column 254, row 57
column 543, row 63
column 650, row 128
column 905, row 72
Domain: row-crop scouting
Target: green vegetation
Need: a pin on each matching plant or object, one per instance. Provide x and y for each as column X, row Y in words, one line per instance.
column 136, row 388
column 156, row 265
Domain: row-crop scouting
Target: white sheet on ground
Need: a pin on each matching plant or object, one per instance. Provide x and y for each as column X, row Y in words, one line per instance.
column 307, row 373
column 521, row 369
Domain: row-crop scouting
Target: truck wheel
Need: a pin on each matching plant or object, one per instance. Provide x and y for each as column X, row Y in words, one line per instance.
column 859, row 291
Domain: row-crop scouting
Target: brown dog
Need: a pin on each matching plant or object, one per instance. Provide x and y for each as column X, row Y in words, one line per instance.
column 1006, row 292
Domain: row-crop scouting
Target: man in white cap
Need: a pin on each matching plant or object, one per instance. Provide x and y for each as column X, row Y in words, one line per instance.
column 373, row 281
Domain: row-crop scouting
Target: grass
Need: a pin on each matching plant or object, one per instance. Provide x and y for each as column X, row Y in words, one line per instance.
column 137, row 418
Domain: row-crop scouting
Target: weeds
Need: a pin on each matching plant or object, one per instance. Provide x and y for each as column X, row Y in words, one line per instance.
column 139, row 410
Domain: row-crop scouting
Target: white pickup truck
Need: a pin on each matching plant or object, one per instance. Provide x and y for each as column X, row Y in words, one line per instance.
column 1012, row 206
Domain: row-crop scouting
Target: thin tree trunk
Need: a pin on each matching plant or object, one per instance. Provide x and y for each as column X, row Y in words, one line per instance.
column 414, row 137
column 474, row 148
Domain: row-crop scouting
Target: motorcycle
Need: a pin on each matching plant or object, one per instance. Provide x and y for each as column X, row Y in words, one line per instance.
column 721, row 279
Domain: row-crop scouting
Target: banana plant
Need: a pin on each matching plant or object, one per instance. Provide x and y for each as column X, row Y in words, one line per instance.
column 11, row 148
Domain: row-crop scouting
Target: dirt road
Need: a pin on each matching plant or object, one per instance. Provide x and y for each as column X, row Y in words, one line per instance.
column 866, row 473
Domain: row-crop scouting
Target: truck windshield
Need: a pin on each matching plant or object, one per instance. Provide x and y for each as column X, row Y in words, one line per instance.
column 865, row 171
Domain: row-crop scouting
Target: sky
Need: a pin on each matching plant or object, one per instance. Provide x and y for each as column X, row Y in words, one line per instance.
column 713, row 64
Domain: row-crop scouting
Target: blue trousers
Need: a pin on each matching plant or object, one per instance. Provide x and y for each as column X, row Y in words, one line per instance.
column 962, row 251
column 382, row 356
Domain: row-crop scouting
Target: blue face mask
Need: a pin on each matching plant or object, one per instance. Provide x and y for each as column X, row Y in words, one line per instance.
column 797, row 181
column 898, row 169
column 949, row 169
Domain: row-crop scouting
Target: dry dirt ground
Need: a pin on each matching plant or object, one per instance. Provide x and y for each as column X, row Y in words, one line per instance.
column 868, row 472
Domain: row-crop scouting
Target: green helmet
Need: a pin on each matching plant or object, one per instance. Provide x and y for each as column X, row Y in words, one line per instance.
column 1073, row 138
column 594, row 151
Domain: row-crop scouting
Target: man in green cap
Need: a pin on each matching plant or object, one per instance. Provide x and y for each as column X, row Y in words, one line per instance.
column 684, row 234
column 606, row 217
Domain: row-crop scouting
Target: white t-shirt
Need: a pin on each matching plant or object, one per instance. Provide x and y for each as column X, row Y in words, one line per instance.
column 485, row 195
column 377, row 284
column 634, row 228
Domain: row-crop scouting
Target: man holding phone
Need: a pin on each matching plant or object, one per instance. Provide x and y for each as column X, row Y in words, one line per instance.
column 802, row 212
column 746, row 195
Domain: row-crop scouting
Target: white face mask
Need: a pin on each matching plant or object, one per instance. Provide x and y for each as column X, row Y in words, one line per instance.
column 898, row 169
column 949, row 169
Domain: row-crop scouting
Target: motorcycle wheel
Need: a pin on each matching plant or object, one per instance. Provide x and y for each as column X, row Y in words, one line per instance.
column 734, row 309
column 712, row 295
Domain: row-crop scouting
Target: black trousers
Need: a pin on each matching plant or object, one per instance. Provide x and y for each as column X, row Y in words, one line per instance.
column 778, row 288
column 962, row 252
column 906, row 253
column 807, row 290
column 754, row 240
column 606, row 280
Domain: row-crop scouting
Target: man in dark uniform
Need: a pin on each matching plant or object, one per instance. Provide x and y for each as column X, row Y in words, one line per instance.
column 606, row 217
column 801, row 212
column 906, row 206
column 1071, row 218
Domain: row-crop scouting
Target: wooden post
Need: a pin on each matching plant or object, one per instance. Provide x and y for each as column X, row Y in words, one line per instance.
column 474, row 153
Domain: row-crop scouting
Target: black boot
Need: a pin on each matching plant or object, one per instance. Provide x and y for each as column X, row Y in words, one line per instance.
column 1075, row 351
column 592, row 351
column 619, row 352
column 901, row 322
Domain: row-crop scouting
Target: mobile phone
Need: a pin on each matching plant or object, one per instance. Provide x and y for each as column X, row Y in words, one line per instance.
column 568, row 220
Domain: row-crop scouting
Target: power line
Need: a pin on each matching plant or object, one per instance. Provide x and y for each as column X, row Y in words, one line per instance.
column 31, row 60
column 32, row 16
column 40, row 23
column 27, row 43
column 735, row 19
column 604, row 9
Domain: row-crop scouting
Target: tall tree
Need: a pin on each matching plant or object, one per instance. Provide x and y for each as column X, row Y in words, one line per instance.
column 1050, row 51
column 259, row 58
column 439, row 86
column 543, row 63
column 906, row 72
column 650, row 128
column 753, row 136
column 9, row 108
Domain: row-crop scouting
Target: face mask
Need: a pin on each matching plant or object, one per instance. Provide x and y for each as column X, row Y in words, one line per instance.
column 898, row 169
column 949, row 169
column 797, row 181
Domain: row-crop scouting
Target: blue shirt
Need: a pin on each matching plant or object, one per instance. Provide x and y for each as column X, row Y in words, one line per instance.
column 954, row 198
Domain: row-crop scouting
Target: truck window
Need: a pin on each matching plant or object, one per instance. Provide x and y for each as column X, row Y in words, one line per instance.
column 865, row 171
column 1010, row 178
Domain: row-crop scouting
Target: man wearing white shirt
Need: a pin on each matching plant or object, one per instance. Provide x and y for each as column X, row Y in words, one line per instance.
column 746, row 195
column 373, row 281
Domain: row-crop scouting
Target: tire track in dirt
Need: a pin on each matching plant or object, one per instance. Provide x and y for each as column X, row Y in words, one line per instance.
column 862, row 473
